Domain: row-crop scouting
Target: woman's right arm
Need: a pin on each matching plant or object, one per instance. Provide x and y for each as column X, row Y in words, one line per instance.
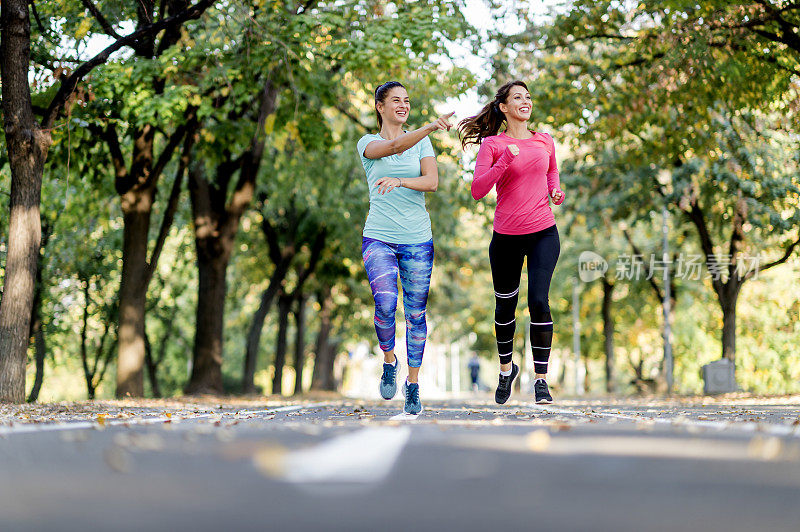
column 487, row 175
column 383, row 148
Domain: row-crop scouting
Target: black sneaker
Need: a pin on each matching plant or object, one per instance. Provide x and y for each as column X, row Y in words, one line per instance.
column 542, row 392
column 503, row 391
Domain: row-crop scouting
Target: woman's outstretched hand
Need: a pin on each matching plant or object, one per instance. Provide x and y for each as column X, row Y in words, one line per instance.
column 387, row 184
column 558, row 196
column 442, row 122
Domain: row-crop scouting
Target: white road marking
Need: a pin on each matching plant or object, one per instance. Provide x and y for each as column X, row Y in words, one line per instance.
column 363, row 456
column 26, row 428
column 288, row 408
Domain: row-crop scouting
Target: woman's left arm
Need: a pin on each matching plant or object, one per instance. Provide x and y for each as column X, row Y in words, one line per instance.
column 553, row 178
column 427, row 182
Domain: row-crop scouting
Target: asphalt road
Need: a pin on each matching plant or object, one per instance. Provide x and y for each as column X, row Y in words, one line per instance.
column 463, row 464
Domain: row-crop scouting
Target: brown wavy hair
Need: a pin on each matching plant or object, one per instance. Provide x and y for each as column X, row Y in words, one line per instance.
column 487, row 122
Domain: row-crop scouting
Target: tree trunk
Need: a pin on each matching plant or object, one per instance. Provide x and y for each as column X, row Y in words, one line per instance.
column 216, row 222
column 727, row 292
column 213, row 244
column 587, row 381
column 284, row 305
column 136, row 207
column 207, row 366
column 152, row 368
column 729, row 329
column 87, row 373
column 299, row 343
column 137, row 189
column 257, row 325
column 608, row 332
column 27, row 147
column 37, row 328
column 40, row 349
column 324, row 355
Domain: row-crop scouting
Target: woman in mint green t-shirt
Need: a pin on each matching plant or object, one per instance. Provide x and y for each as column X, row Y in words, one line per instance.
column 397, row 239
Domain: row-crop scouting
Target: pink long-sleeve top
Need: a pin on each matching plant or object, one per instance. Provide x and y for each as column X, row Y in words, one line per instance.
column 524, row 182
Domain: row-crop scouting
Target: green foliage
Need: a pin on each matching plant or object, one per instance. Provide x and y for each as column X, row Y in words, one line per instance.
column 652, row 102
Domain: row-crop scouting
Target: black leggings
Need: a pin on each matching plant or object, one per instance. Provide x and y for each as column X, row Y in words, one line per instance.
column 506, row 253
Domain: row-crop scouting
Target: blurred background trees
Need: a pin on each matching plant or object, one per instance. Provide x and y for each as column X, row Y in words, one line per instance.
column 202, row 200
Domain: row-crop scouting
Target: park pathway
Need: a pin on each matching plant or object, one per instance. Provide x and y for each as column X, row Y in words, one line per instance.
column 463, row 464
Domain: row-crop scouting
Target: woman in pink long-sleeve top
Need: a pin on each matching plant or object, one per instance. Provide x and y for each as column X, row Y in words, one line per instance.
column 521, row 165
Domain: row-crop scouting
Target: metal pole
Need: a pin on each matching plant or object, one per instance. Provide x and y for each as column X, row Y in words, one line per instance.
column 576, row 334
column 667, row 330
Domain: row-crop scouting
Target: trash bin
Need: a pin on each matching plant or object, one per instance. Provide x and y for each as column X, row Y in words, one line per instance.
column 718, row 377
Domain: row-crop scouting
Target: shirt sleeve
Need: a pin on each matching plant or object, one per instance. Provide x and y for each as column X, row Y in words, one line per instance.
column 553, row 178
column 426, row 148
column 487, row 175
column 363, row 142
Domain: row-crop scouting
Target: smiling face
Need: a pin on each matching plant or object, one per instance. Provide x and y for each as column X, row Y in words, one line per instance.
column 518, row 104
column 395, row 106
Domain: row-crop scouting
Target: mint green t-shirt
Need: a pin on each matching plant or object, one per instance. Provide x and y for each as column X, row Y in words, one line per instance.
column 399, row 216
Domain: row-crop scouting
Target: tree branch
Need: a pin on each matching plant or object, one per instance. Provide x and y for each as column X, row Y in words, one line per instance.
column 84, row 328
column 316, row 251
column 68, row 86
column 169, row 150
column 271, row 236
column 172, row 202
column 766, row 58
column 788, row 38
column 251, row 160
column 651, row 279
column 173, row 34
column 737, row 234
column 106, row 361
column 592, row 36
column 774, row 263
column 107, row 28
column 36, row 16
column 357, row 121
column 639, row 61
column 110, row 136
column 697, row 217
column 100, row 351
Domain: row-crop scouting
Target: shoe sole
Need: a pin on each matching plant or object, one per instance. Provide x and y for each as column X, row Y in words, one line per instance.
column 543, row 402
column 404, row 416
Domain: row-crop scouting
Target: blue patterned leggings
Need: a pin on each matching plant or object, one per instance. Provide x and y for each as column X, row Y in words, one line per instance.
column 414, row 263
